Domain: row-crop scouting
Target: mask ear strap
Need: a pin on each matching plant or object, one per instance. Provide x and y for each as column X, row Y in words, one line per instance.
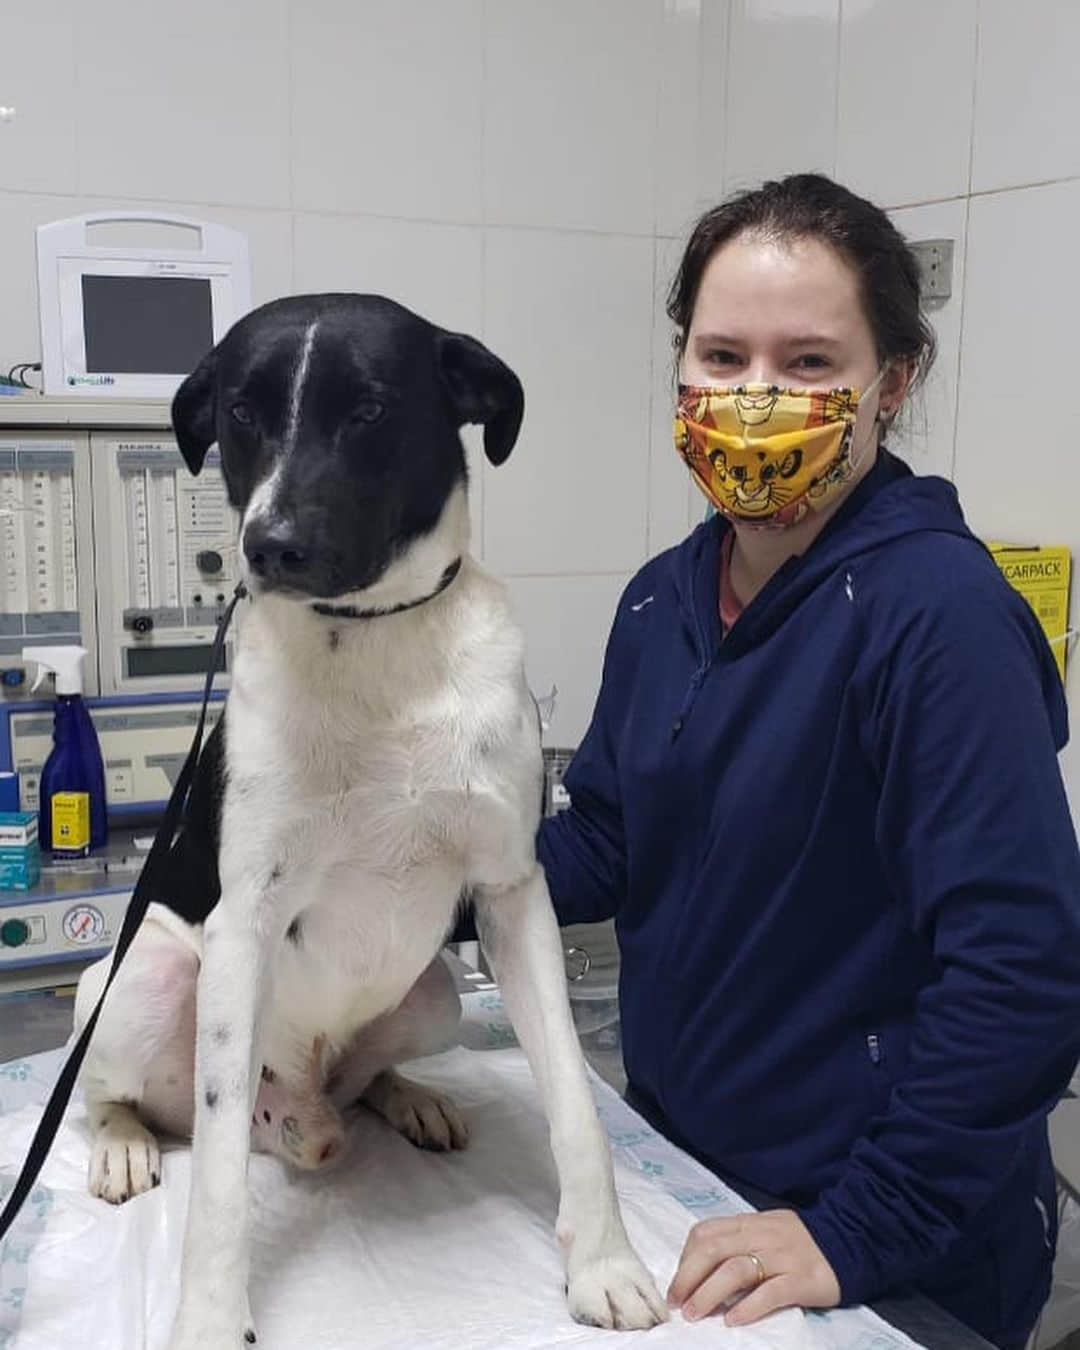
column 882, row 418
column 885, row 419
column 879, row 420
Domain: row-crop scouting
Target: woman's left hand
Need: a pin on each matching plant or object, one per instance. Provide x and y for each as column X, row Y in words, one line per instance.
column 767, row 1261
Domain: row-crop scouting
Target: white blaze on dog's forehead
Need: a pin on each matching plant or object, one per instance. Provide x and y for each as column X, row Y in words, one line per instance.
column 300, row 375
column 261, row 500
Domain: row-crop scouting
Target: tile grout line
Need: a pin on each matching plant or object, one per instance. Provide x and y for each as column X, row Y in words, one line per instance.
column 651, row 409
column 958, row 374
column 292, row 142
column 725, row 157
column 836, row 87
column 479, row 224
column 974, row 99
column 662, row 9
column 484, row 12
column 960, row 338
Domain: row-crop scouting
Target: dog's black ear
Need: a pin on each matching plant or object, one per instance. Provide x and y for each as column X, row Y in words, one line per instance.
column 194, row 412
column 482, row 389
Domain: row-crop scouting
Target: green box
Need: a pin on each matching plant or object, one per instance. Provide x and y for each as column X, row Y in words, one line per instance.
column 20, row 852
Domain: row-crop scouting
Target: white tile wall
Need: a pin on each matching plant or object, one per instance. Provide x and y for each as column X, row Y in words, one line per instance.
column 926, row 431
column 1016, row 453
column 526, row 169
column 184, row 101
column 691, row 74
column 437, row 270
column 566, row 621
column 905, row 98
column 713, row 41
column 780, row 110
column 1027, row 95
column 672, row 495
column 1016, row 464
column 387, row 107
column 571, row 104
column 37, row 77
column 572, row 313
column 20, row 214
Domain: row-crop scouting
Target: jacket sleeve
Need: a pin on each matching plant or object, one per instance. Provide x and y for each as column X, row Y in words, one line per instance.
column 976, row 837
column 582, row 848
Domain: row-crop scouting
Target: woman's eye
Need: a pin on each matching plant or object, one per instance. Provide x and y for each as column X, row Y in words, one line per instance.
column 719, row 356
column 240, row 412
column 811, row 361
column 368, row 410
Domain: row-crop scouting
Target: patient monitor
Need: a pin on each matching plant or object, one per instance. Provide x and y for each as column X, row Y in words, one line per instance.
column 122, row 317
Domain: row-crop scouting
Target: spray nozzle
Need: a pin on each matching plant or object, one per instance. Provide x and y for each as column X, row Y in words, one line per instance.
column 64, row 662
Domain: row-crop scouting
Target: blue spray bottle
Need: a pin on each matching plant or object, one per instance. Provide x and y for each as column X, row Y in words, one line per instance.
column 71, row 799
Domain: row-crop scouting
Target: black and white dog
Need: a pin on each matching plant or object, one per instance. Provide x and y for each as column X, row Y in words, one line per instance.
column 378, row 760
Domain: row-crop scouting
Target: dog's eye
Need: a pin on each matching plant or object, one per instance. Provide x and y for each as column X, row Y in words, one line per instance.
column 241, row 413
column 368, row 410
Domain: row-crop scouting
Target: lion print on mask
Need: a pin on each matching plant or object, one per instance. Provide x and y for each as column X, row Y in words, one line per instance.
column 757, row 484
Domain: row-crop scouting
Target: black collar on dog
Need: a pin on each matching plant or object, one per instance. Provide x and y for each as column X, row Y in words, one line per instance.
column 351, row 612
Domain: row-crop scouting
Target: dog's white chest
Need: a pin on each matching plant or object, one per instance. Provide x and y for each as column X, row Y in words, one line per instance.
column 393, row 800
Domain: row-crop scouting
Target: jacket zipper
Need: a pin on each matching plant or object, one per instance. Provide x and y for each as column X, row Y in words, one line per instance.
column 699, row 675
column 696, row 681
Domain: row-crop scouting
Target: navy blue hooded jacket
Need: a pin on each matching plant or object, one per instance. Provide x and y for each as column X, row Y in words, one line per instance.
column 847, row 890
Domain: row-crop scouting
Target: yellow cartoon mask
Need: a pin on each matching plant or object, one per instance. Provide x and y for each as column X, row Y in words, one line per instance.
column 764, row 454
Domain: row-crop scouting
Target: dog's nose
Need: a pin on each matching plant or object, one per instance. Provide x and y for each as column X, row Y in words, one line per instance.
column 275, row 551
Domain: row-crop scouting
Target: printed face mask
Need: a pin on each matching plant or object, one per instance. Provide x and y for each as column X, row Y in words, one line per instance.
column 768, row 455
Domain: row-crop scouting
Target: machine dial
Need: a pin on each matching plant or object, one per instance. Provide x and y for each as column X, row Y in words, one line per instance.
column 14, row 932
column 209, row 561
column 84, row 924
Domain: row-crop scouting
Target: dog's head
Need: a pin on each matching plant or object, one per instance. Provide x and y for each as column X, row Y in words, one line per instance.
column 337, row 417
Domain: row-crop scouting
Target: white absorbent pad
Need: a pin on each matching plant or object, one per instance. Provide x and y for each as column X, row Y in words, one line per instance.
column 394, row 1249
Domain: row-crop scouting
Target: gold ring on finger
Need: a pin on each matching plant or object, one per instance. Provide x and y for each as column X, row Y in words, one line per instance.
column 759, row 1268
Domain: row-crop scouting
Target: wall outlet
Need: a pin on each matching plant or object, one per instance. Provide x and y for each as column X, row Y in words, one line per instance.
column 935, row 258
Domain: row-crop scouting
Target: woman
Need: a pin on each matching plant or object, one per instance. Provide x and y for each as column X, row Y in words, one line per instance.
column 820, row 796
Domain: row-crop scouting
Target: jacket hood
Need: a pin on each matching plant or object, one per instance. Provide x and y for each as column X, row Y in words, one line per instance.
column 889, row 503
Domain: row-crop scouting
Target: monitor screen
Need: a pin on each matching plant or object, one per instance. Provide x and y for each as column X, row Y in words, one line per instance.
column 146, row 325
column 146, row 662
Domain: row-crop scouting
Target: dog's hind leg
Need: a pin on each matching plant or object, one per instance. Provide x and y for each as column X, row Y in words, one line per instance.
column 138, row 1070
column 424, row 1023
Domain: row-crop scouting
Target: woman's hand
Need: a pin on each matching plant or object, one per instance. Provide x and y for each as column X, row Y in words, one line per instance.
column 767, row 1261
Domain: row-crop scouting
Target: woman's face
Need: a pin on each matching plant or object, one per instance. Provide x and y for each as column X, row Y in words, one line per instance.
column 787, row 312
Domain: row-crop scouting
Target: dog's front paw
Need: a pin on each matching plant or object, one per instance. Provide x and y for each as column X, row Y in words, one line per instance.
column 615, row 1291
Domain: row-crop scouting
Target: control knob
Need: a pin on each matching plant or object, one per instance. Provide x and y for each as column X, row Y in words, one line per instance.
column 14, row 932
column 210, row 561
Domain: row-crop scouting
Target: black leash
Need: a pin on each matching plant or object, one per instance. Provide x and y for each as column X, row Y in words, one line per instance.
column 145, row 888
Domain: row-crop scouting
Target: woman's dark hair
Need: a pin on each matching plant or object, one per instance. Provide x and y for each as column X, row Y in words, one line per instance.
column 811, row 206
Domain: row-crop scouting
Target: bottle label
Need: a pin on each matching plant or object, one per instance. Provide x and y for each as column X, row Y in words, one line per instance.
column 71, row 824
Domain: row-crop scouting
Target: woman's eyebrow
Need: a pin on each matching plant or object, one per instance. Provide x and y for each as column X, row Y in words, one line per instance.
column 812, row 340
column 792, row 340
